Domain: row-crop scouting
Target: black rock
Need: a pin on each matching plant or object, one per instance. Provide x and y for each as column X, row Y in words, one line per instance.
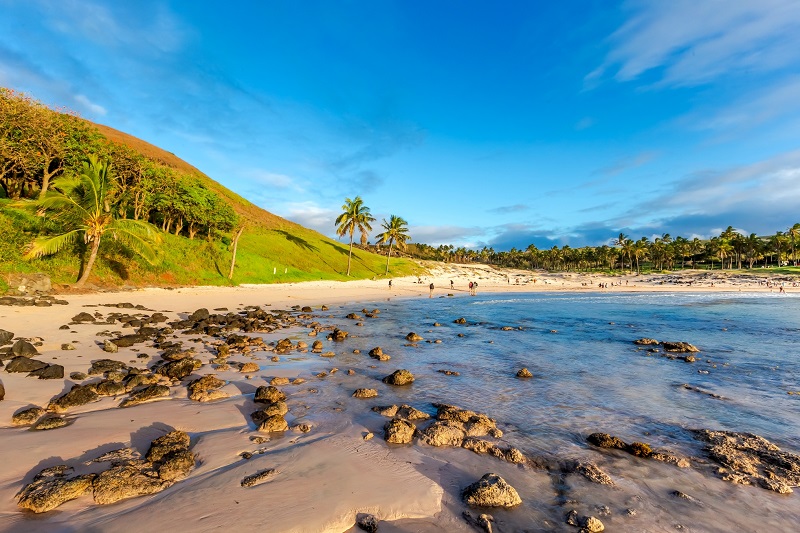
column 5, row 337
column 49, row 372
column 83, row 317
column 24, row 364
column 24, row 348
column 128, row 340
column 200, row 314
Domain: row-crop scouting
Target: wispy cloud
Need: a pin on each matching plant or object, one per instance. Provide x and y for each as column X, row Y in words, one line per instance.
column 627, row 163
column 690, row 43
column 504, row 210
column 271, row 179
column 309, row 214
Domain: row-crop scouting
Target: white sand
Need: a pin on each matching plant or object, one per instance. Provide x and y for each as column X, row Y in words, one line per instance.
column 325, row 477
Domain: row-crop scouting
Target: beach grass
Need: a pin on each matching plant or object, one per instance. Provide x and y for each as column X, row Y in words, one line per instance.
column 265, row 255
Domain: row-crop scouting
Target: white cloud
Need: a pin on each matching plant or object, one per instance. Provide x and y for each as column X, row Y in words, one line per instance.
column 695, row 42
column 271, row 179
column 90, row 106
column 310, row 215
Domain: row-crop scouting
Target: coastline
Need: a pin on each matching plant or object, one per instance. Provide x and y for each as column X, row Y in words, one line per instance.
column 332, row 466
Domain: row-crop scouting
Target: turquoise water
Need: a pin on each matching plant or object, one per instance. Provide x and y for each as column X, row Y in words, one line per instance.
column 589, row 377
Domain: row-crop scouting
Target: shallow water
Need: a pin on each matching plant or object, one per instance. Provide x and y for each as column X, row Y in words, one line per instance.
column 589, row 376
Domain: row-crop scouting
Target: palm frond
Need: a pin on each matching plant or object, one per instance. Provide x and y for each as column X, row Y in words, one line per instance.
column 139, row 236
column 44, row 246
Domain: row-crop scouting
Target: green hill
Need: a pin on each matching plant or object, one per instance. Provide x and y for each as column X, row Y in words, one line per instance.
column 271, row 249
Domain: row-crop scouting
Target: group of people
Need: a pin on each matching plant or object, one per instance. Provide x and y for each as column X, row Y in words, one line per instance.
column 473, row 288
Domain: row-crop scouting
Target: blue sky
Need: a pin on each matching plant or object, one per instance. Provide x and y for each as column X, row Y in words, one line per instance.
column 481, row 123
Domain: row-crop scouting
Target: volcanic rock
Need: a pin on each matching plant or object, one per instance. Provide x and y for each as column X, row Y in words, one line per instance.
column 491, row 491
column 51, row 487
column 77, row 396
column 151, row 392
column 398, row 431
column 399, row 378
column 24, row 364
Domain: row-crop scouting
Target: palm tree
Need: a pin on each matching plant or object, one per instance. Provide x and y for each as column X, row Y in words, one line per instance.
column 81, row 205
column 793, row 233
column 396, row 230
column 355, row 215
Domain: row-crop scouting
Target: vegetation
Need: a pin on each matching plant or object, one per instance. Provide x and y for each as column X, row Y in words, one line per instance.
column 82, row 206
column 728, row 250
column 355, row 215
column 395, row 231
column 197, row 221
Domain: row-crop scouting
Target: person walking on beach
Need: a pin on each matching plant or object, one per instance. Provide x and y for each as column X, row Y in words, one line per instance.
column 475, row 289
column 470, row 288
column 431, row 294
column 451, row 285
column 390, row 284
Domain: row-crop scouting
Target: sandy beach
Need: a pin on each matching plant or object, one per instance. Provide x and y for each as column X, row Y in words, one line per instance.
column 326, row 472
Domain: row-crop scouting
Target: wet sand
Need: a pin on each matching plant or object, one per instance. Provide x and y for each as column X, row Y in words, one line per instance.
column 325, row 477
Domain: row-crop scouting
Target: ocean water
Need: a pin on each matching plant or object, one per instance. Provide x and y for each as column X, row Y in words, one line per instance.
column 589, row 377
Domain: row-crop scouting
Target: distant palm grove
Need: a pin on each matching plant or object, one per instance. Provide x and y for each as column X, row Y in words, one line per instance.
column 728, row 250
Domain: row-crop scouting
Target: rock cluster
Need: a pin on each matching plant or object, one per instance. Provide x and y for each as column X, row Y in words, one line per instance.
column 748, row 459
column 638, row 449
column 168, row 460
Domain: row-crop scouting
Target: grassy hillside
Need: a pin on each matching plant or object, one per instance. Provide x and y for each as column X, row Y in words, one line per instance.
column 271, row 249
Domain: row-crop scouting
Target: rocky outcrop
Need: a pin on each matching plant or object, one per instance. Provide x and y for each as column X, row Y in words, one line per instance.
column 49, row 372
column 272, row 424
column 398, row 431
column 205, row 389
column 50, row 422
column 749, row 459
column 399, row 377
column 5, row 337
column 179, row 369
column 524, row 373
column 367, row 522
column 404, row 411
column 444, row 433
column 78, row 395
column 28, row 416
column 168, row 460
column 259, row 477
column 24, row 364
column 491, row 491
column 589, row 470
column 679, row 347
column 126, row 481
column 413, row 337
column 51, row 487
column 268, row 394
column 377, row 353
column 23, row 348
column 149, row 393
column 365, row 393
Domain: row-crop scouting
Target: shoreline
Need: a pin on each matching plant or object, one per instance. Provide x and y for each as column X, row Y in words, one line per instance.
column 331, row 468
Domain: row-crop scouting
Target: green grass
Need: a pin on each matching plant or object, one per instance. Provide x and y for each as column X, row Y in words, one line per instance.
column 264, row 256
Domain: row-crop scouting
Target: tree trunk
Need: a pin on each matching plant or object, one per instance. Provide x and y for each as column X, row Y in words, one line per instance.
column 90, row 263
column 350, row 256
column 46, row 176
column 388, row 256
column 235, row 246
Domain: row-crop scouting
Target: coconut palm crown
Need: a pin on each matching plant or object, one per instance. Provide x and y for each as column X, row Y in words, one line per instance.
column 395, row 231
column 80, row 205
column 355, row 215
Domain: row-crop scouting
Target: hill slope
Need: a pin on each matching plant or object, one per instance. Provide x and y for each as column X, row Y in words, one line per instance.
column 271, row 249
